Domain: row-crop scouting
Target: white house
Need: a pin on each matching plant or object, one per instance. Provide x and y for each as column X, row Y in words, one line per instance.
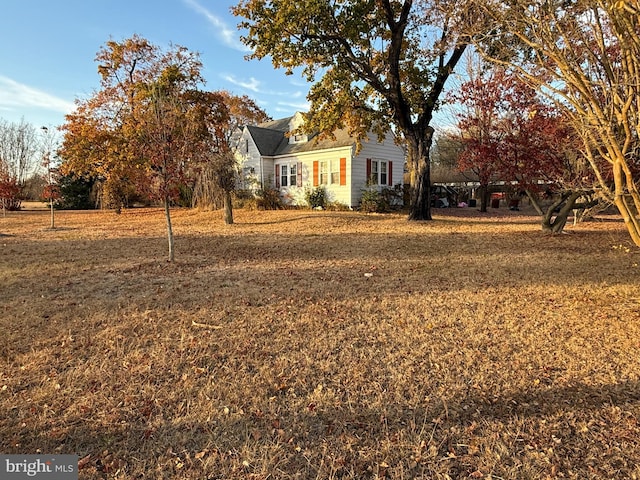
column 271, row 156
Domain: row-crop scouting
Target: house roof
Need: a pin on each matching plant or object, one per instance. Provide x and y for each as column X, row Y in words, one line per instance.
column 267, row 140
column 452, row 175
column 271, row 140
column 281, row 125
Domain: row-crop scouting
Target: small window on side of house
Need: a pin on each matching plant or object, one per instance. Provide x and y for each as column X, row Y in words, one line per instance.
column 324, row 174
column 284, row 176
column 335, row 172
column 293, row 174
column 383, row 173
column 373, row 179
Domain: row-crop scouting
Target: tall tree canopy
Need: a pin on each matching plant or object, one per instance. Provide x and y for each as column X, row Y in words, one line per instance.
column 374, row 64
column 585, row 54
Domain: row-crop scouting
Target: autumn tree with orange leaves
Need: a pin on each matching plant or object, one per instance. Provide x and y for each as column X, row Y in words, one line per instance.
column 151, row 129
column 217, row 177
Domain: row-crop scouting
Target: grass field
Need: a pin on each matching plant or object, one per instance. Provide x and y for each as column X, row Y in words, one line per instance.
column 319, row 345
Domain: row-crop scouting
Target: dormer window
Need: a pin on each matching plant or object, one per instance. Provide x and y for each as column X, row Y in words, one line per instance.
column 294, row 124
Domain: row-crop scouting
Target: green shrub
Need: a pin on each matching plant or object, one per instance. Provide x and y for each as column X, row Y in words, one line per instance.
column 316, row 198
column 75, row 193
column 245, row 198
column 392, row 198
column 373, row 202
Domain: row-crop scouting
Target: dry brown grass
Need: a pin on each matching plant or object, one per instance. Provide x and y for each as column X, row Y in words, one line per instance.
column 475, row 347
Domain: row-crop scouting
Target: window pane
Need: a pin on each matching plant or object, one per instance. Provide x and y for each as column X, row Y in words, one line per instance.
column 374, row 173
column 283, row 176
column 293, row 171
column 323, row 173
column 335, row 172
column 383, row 173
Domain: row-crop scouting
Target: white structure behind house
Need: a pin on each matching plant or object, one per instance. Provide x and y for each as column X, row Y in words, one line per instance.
column 271, row 156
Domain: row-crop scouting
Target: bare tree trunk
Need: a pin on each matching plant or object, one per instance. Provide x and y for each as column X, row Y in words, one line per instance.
column 630, row 220
column 556, row 223
column 53, row 220
column 419, row 146
column 554, row 219
column 167, row 214
column 484, row 198
column 228, row 207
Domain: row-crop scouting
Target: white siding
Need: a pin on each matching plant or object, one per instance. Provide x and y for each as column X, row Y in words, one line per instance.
column 386, row 151
column 349, row 194
column 249, row 162
column 335, row 193
column 268, row 172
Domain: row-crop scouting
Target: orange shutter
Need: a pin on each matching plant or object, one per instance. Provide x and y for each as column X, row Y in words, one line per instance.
column 315, row 173
column 299, row 174
column 343, row 171
column 277, row 176
column 390, row 176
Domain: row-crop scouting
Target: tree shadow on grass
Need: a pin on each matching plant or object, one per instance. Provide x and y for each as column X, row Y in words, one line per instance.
column 353, row 216
column 543, row 402
column 351, row 441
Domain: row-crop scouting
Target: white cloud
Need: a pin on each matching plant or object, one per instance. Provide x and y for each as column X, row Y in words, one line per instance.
column 17, row 95
column 252, row 84
column 255, row 85
column 285, row 106
column 228, row 35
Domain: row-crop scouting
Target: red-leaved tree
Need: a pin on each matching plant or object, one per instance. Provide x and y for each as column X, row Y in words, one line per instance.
column 511, row 134
column 479, row 123
column 9, row 191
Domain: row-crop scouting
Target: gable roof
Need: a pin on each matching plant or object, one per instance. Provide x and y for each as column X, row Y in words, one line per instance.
column 267, row 140
column 271, row 140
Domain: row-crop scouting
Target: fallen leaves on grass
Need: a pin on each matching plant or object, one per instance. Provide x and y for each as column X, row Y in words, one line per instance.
column 476, row 347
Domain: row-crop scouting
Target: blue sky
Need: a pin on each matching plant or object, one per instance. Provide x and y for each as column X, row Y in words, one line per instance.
column 49, row 47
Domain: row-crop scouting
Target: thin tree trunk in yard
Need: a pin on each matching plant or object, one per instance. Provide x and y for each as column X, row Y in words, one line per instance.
column 228, row 207
column 484, row 198
column 167, row 214
column 630, row 219
column 53, row 221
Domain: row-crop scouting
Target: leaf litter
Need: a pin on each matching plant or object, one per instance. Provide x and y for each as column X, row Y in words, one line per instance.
column 321, row 345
